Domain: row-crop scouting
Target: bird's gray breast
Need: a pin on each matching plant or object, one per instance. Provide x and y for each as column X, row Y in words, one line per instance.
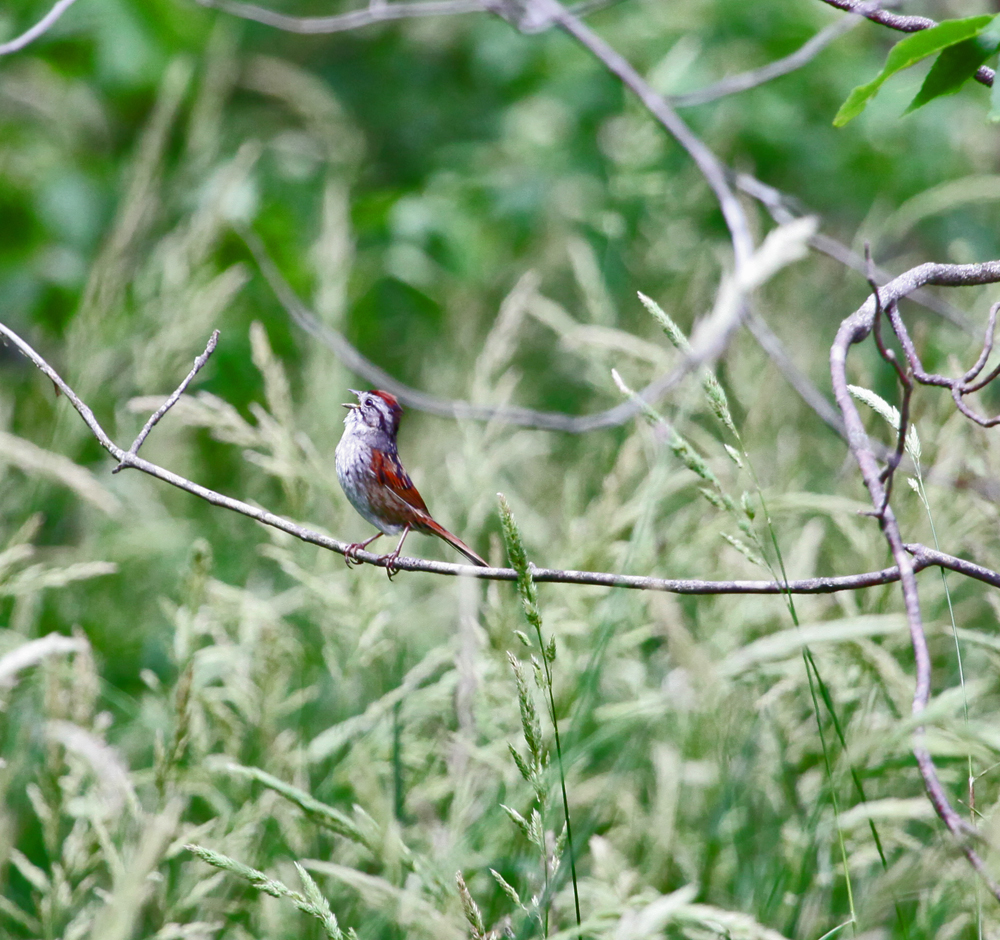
column 354, row 471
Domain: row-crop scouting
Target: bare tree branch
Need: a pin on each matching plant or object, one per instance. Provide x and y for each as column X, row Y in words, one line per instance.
column 775, row 201
column 905, row 24
column 892, row 464
column 959, row 387
column 537, row 14
column 854, row 330
column 41, row 27
column 923, row 557
column 528, row 417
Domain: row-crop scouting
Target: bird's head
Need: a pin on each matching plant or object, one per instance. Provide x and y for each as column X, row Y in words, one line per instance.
column 375, row 409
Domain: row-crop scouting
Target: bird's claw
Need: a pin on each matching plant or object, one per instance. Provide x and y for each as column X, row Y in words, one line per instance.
column 390, row 563
column 351, row 554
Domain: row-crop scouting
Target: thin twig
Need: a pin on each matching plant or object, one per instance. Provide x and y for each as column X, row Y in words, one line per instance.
column 905, row 24
column 711, row 168
column 42, row 26
column 959, row 387
column 892, row 464
column 172, row 400
column 355, row 19
column 896, row 457
column 969, row 377
column 744, row 81
column 923, row 557
column 854, row 330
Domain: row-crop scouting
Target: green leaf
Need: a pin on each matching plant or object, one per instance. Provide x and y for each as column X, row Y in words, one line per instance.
column 908, row 52
column 956, row 65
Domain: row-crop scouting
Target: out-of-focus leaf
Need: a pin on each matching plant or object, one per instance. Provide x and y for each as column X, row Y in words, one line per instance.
column 909, row 52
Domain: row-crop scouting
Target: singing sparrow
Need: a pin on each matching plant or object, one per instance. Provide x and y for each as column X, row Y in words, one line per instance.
column 375, row 482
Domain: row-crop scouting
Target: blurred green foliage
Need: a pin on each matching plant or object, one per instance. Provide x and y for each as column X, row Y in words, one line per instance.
column 405, row 179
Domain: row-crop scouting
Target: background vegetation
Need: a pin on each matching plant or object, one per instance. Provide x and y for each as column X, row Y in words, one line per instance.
column 476, row 209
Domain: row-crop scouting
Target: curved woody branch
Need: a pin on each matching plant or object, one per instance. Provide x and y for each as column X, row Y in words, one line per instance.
column 854, row 330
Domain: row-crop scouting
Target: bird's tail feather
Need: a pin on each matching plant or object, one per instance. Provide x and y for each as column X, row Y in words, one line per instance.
column 453, row 540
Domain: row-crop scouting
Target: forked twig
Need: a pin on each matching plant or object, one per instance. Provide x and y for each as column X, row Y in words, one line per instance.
column 172, row 400
column 959, row 387
column 969, row 377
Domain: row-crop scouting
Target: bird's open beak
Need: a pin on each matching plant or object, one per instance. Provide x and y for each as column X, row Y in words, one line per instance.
column 350, row 405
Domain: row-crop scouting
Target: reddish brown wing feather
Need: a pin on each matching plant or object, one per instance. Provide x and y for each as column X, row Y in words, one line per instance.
column 402, row 504
column 390, row 473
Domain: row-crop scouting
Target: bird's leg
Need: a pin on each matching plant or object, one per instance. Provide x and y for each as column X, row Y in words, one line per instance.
column 391, row 558
column 351, row 552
